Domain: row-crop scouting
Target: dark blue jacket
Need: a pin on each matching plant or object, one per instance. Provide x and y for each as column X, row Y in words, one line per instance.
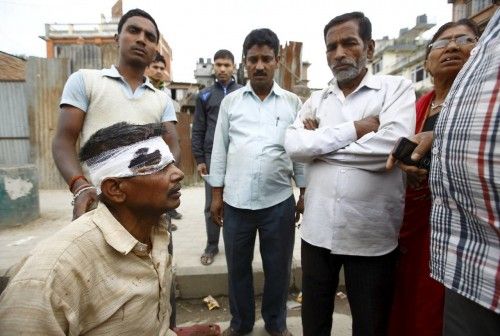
column 205, row 119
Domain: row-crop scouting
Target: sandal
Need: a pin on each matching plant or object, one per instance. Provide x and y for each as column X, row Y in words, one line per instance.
column 207, row 258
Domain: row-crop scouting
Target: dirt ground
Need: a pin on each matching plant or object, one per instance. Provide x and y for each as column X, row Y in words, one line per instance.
column 196, row 311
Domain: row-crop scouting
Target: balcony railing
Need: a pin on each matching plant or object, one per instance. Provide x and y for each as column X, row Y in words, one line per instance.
column 80, row 29
column 404, row 62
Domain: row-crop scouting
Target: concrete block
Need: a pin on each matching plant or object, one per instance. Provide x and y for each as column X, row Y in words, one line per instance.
column 201, row 281
column 19, row 201
column 202, row 285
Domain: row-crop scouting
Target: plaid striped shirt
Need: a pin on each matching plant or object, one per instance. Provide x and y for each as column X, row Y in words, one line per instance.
column 91, row 278
column 465, row 178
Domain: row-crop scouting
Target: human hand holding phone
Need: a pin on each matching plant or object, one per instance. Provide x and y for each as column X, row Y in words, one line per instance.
column 421, row 149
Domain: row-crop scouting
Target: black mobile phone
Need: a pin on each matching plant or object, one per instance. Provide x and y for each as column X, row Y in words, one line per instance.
column 404, row 148
column 403, row 151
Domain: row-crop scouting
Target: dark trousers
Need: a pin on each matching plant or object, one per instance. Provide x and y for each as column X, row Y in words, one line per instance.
column 463, row 317
column 213, row 230
column 276, row 227
column 369, row 285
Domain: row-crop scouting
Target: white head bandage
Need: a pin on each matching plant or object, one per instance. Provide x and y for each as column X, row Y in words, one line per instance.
column 141, row 158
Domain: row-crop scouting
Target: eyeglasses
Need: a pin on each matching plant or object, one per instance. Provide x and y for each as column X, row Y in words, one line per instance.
column 461, row 41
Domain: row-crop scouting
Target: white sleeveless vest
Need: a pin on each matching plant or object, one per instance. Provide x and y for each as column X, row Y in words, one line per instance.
column 109, row 105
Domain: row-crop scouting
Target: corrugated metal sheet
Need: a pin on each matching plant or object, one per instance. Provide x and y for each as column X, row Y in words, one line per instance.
column 188, row 164
column 14, row 129
column 14, row 152
column 12, row 68
column 109, row 54
column 82, row 56
column 45, row 79
column 289, row 71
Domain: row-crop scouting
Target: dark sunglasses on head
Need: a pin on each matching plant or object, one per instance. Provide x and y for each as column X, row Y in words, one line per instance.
column 461, row 40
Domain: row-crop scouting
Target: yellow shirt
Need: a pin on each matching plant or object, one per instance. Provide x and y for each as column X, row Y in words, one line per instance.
column 91, row 278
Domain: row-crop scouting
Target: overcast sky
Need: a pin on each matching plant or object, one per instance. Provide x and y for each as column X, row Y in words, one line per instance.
column 196, row 28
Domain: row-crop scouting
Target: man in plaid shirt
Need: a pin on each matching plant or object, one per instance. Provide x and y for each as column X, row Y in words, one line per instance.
column 465, row 185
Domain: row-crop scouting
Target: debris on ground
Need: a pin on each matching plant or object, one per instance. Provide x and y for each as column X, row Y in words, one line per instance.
column 211, row 302
column 295, row 302
column 292, row 304
column 341, row 295
column 298, row 297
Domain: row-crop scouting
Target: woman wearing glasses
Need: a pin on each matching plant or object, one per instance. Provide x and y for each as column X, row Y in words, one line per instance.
column 418, row 299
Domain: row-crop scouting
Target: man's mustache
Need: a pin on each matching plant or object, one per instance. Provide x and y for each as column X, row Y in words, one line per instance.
column 259, row 73
column 346, row 62
column 175, row 189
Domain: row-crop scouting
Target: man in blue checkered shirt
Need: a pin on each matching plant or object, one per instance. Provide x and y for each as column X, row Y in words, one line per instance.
column 465, row 185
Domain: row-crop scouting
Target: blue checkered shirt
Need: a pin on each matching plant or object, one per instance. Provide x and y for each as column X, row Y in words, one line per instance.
column 465, row 178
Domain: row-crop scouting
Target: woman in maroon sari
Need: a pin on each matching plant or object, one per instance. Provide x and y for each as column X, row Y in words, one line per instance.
column 418, row 299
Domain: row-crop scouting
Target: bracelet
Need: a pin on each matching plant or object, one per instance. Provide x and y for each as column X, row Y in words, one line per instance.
column 79, row 192
column 81, row 187
column 74, row 179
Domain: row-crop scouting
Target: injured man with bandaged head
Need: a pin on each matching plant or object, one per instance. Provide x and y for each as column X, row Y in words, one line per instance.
column 109, row 271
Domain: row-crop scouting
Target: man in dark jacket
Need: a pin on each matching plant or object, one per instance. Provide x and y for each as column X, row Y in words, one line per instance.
column 156, row 74
column 205, row 120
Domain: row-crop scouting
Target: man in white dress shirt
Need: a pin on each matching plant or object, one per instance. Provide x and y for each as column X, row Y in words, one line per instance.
column 353, row 206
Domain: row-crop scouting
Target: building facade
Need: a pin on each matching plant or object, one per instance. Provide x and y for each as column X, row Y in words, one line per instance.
column 405, row 55
column 478, row 10
column 204, row 72
column 92, row 45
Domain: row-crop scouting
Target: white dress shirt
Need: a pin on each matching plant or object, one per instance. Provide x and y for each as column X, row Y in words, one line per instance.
column 353, row 206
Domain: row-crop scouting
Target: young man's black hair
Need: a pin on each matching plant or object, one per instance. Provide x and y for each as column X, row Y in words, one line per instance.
column 138, row 12
column 224, row 53
column 159, row 58
column 263, row 36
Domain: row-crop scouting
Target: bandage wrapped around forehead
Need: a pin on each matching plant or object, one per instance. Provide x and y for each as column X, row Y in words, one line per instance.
column 141, row 158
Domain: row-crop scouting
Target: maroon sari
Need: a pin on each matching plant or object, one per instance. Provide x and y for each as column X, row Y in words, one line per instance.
column 418, row 299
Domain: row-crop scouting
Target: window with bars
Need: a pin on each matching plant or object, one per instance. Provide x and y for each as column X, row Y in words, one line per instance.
column 377, row 67
column 418, row 74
